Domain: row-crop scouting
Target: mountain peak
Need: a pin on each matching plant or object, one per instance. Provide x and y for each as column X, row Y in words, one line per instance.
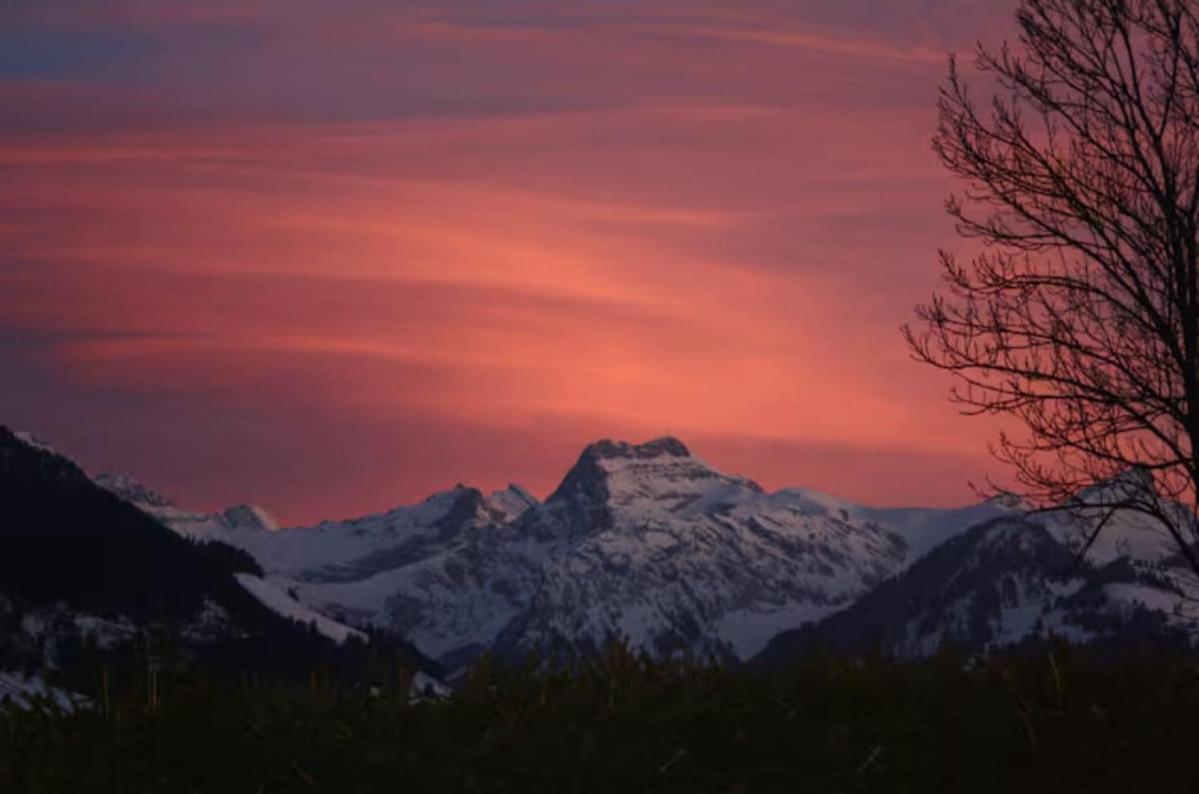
column 1132, row 485
column 666, row 446
column 130, row 489
column 250, row 517
column 588, row 479
column 510, row 503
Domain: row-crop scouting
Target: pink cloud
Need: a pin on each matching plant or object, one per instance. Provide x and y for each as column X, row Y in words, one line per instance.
column 718, row 247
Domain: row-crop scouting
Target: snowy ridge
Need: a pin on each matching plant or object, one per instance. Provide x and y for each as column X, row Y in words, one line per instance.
column 283, row 604
column 645, row 542
column 250, row 517
column 34, row 441
column 131, row 490
column 1004, row 582
column 649, row 543
column 333, row 549
column 233, row 522
column 510, row 503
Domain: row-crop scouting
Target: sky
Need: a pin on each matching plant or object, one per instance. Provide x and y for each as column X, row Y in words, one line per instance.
column 330, row 257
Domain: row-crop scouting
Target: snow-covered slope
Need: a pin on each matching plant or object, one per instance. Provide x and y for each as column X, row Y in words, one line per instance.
column 649, row 543
column 921, row 528
column 235, row 522
column 659, row 547
column 644, row 541
column 283, row 603
column 334, row 550
column 77, row 564
column 1005, row 582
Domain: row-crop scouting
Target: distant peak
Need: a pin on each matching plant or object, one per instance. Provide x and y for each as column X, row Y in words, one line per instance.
column 9, row 435
column 585, row 491
column 33, row 441
column 522, row 492
column 510, row 503
column 1006, row 500
column 130, row 489
column 456, row 493
column 250, row 517
column 1131, row 485
column 518, row 492
column 666, row 446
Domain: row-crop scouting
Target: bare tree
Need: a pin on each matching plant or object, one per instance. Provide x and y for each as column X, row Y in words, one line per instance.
column 1080, row 318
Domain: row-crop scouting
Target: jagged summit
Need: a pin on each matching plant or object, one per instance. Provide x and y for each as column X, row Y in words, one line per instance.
column 666, row 446
column 610, row 474
column 648, row 542
column 588, row 478
column 510, row 503
column 250, row 517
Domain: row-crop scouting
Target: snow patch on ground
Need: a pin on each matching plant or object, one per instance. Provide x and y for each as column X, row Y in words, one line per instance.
column 1149, row 597
column 27, row 692
column 280, row 602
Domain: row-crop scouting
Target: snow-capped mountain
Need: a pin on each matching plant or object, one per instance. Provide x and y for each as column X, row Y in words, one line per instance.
column 199, row 526
column 645, row 542
column 81, row 568
column 649, row 543
column 334, row 550
column 1010, row 581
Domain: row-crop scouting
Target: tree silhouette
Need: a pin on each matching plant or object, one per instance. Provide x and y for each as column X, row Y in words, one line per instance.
column 1080, row 318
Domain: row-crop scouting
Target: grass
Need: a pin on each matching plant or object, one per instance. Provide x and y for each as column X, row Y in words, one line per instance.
column 1046, row 721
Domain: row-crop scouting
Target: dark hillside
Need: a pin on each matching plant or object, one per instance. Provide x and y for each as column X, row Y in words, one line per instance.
column 69, row 545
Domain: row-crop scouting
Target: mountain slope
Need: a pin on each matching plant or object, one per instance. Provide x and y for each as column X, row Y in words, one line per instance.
column 1004, row 582
column 649, row 543
column 333, row 550
column 77, row 561
column 62, row 538
column 641, row 541
column 645, row 542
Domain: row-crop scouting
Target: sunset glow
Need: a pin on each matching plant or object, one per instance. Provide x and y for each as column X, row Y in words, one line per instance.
column 332, row 257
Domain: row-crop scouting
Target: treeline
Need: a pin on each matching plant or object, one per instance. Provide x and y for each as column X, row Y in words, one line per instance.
column 1046, row 720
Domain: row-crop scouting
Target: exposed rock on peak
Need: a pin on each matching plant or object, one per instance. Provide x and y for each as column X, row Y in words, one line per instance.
column 250, row 517
column 615, row 474
column 666, row 446
column 467, row 505
column 510, row 503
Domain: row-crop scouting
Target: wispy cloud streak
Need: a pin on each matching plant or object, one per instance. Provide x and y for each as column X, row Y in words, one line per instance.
column 462, row 243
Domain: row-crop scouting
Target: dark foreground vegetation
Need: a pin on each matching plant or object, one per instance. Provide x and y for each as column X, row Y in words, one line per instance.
column 1042, row 721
